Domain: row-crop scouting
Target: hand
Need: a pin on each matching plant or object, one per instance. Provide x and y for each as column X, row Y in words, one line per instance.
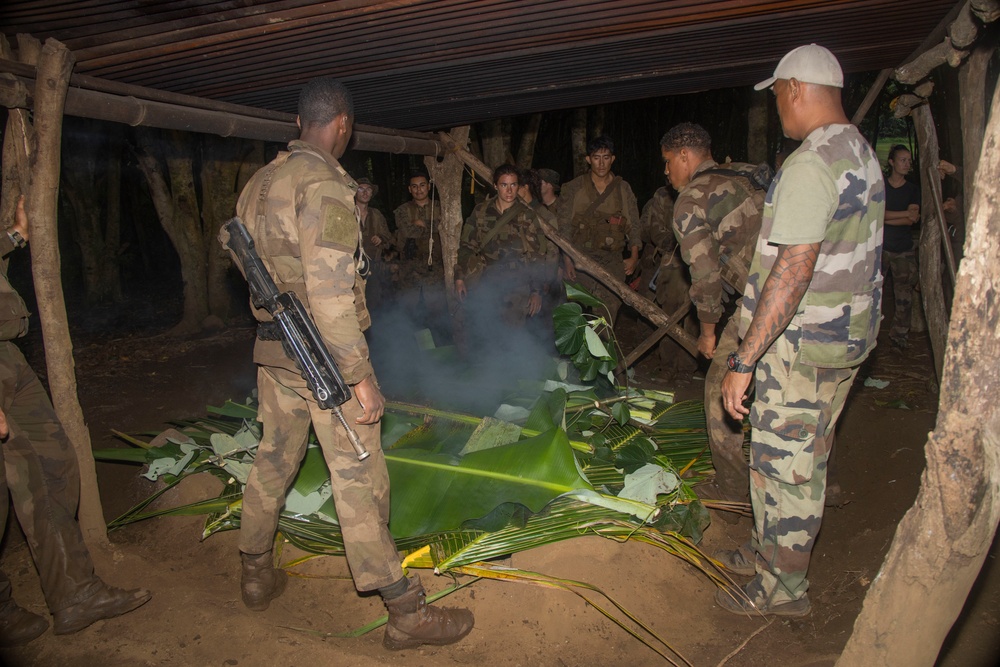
column 949, row 205
column 734, row 392
column 21, row 219
column 946, row 168
column 707, row 345
column 913, row 213
column 460, row 290
column 4, row 427
column 569, row 270
column 534, row 304
column 371, row 400
column 420, row 223
column 376, row 240
column 630, row 265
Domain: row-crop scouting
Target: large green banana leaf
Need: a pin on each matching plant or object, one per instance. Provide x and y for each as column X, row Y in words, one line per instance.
column 441, row 492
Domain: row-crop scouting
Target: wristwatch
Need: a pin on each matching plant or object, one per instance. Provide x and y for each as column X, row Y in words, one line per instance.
column 16, row 238
column 736, row 364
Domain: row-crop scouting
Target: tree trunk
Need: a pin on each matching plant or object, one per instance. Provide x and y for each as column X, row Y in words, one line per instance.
column 176, row 207
column 54, row 66
column 447, row 174
column 220, row 169
column 526, row 150
column 495, row 147
column 597, row 119
column 757, row 126
column 931, row 288
column 942, row 541
column 89, row 173
column 111, row 275
column 972, row 106
column 578, row 139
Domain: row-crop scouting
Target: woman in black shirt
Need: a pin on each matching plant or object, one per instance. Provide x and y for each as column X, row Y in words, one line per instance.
column 902, row 211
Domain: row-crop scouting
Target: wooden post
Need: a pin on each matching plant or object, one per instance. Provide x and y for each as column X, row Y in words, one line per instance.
column 972, row 107
column 54, row 66
column 872, row 95
column 944, row 538
column 930, row 236
column 447, row 176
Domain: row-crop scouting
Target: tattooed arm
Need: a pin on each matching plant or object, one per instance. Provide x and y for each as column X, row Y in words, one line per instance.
column 783, row 290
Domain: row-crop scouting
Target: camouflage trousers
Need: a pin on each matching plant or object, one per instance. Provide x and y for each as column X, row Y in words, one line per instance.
column 40, row 470
column 903, row 267
column 793, row 417
column 360, row 488
column 725, row 435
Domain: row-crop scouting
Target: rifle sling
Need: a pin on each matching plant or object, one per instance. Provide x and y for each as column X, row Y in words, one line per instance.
column 608, row 191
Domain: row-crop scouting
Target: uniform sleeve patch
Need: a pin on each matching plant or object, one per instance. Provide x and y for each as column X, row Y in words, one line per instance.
column 340, row 228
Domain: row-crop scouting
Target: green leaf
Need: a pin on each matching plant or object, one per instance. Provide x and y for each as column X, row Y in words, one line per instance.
column 434, row 493
column 620, row 412
column 649, row 481
column 595, row 344
column 236, row 410
column 569, row 324
column 634, row 455
column 576, row 292
column 688, row 519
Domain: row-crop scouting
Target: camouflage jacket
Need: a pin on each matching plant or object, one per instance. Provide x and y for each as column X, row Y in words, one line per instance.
column 13, row 312
column 656, row 222
column 607, row 230
column 414, row 241
column 307, row 235
column 374, row 224
column 716, row 221
column 839, row 313
column 519, row 245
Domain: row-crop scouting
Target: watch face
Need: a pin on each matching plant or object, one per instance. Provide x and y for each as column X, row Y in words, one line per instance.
column 731, row 361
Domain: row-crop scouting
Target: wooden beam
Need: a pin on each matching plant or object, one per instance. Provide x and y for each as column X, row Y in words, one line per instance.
column 872, row 95
column 139, row 106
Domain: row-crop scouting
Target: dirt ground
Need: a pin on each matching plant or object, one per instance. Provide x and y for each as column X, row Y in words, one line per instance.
column 137, row 383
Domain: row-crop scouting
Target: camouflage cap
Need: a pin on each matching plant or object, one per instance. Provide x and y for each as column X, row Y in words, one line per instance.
column 550, row 176
column 365, row 181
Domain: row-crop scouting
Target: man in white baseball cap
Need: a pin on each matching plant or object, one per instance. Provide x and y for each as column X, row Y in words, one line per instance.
column 809, row 318
column 809, row 64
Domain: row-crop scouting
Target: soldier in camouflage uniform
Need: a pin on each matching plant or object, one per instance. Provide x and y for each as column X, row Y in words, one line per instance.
column 299, row 210
column 421, row 266
column 504, row 258
column 599, row 215
column 377, row 242
column 39, row 468
column 810, row 316
column 716, row 220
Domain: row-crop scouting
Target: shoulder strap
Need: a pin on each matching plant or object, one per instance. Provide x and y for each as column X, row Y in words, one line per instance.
column 608, row 191
column 502, row 222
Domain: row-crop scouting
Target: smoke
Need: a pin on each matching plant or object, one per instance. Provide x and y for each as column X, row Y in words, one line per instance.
column 479, row 358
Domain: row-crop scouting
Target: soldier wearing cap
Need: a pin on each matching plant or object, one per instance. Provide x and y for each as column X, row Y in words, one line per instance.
column 376, row 240
column 550, row 187
column 809, row 318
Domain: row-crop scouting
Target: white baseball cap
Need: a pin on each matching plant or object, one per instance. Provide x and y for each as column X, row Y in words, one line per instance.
column 809, row 64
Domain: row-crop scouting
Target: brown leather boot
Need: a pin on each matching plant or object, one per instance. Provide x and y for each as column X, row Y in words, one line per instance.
column 261, row 582
column 17, row 626
column 413, row 623
column 107, row 602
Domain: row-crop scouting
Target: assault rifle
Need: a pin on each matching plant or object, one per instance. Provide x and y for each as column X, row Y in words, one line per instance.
column 297, row 332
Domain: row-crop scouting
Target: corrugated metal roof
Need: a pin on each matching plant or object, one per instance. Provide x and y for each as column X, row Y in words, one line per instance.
column 428, row 64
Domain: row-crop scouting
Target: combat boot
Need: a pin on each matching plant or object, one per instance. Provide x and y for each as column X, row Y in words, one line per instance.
column 261, row 582
column 17, row 626
column 107, row 602
column 412, row 622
